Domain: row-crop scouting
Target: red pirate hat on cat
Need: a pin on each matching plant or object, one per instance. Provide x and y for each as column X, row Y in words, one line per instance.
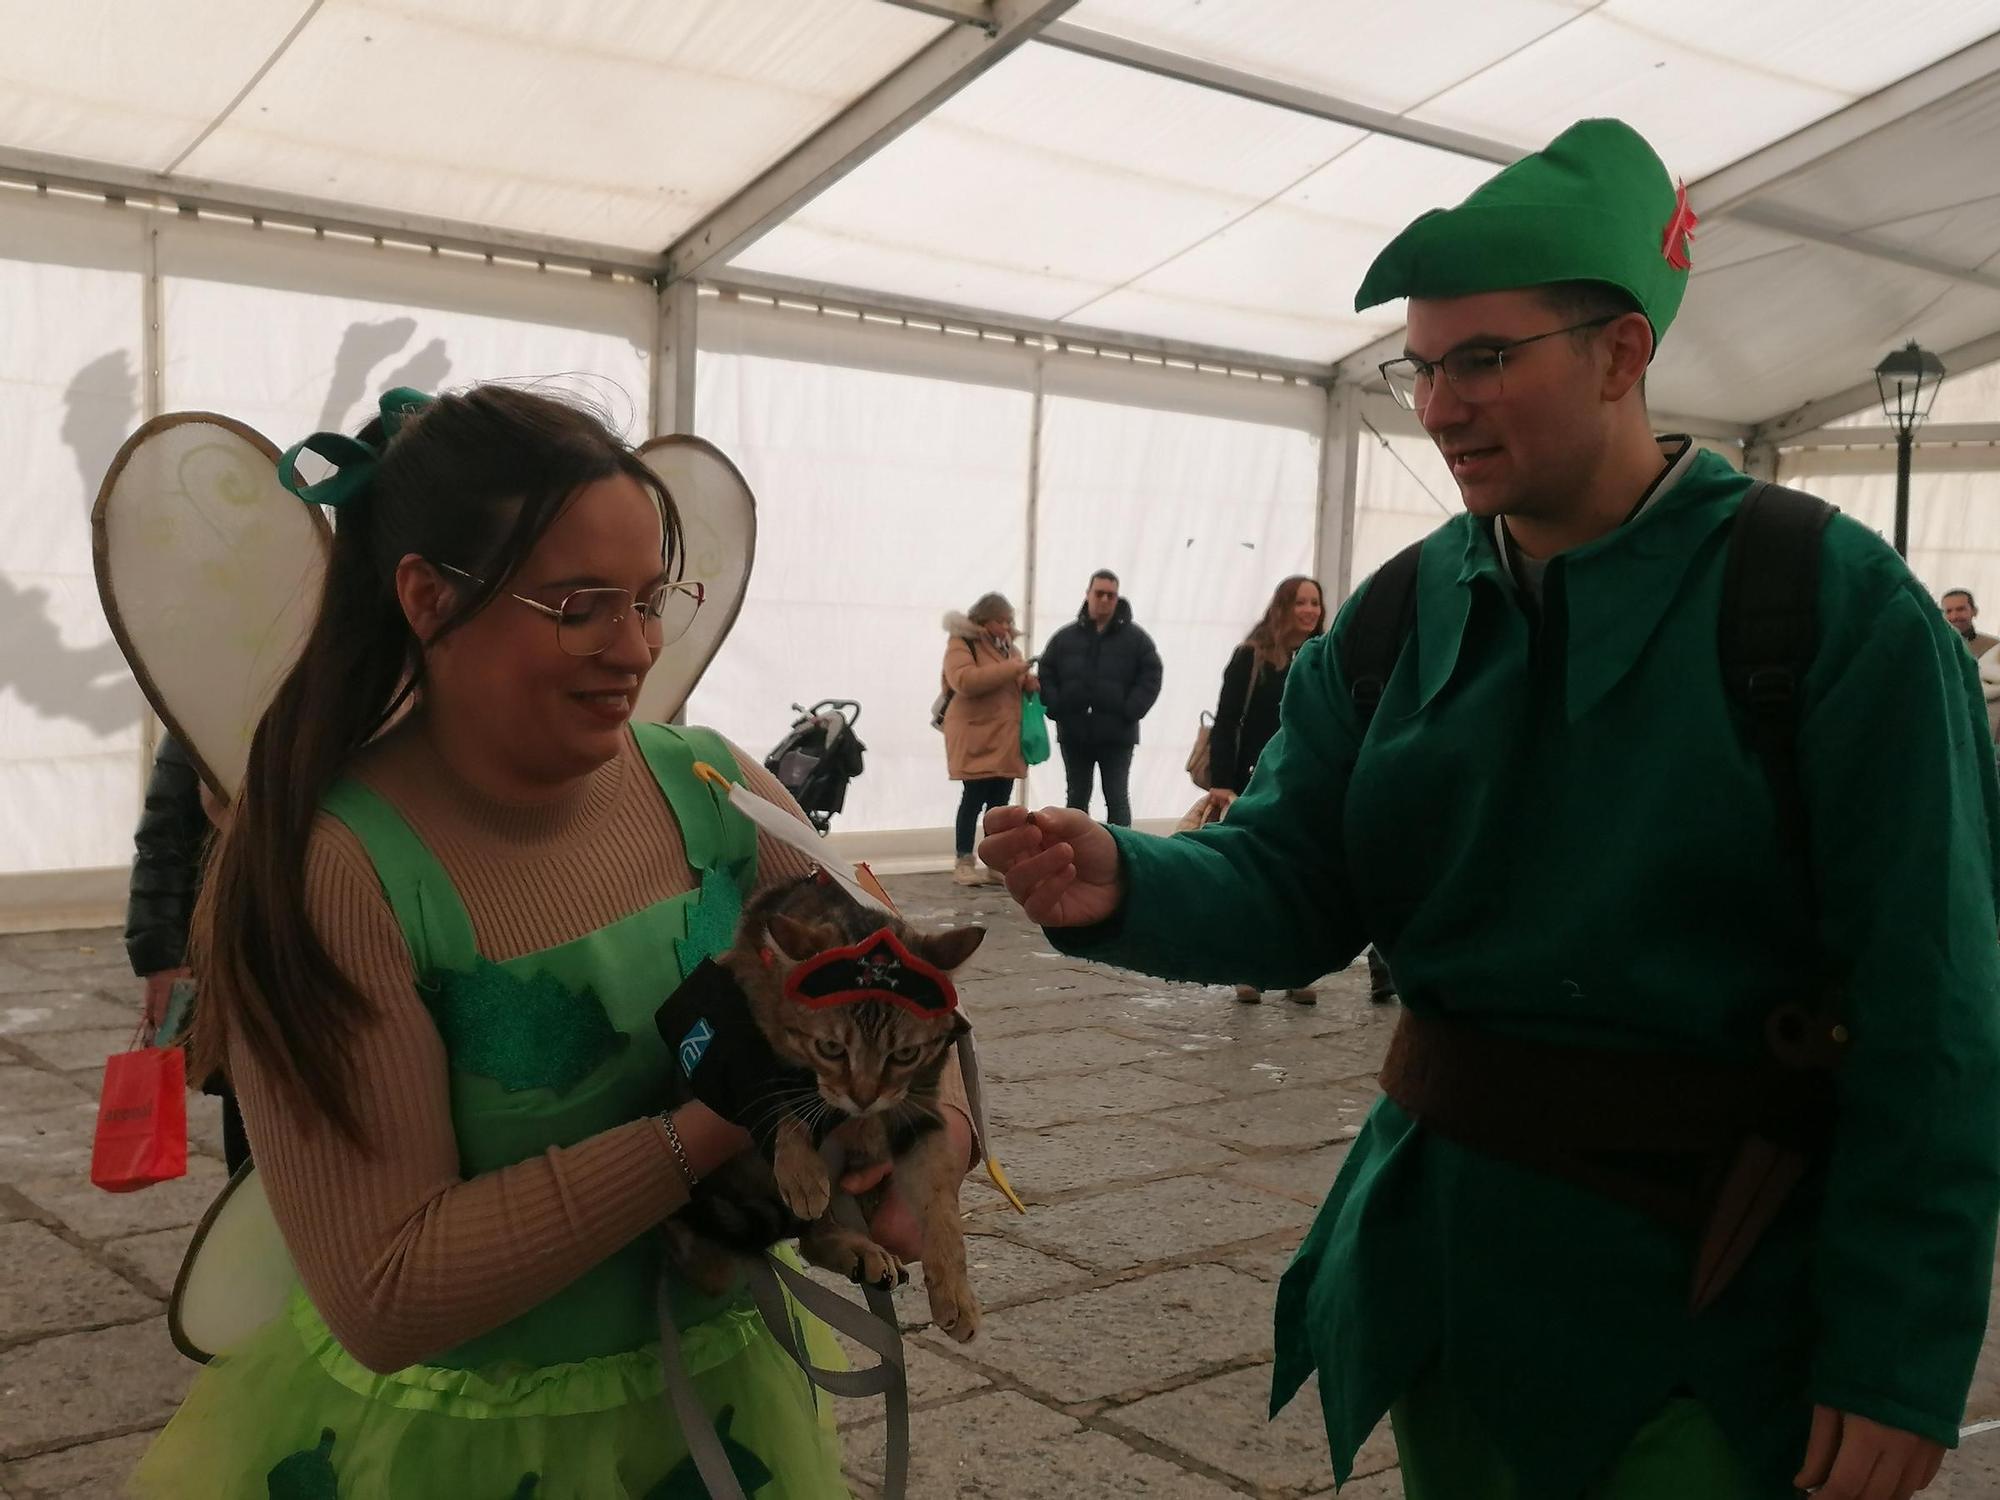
column 879, row 967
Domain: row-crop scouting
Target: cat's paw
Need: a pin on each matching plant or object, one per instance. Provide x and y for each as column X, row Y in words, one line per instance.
column 953, row 1307
column 876, row 1266
column 846, row 1252
column 803, row 1183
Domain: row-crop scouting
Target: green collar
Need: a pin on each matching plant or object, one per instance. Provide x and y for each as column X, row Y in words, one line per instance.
column 1616, row 590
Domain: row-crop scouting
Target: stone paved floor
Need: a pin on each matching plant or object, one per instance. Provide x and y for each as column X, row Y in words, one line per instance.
column 1171, row 1143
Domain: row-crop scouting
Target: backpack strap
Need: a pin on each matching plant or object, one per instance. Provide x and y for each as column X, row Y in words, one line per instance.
column 1374, row 637
column 1768, row 630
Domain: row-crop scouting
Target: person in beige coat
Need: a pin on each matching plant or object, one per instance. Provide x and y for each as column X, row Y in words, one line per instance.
column 984, row 678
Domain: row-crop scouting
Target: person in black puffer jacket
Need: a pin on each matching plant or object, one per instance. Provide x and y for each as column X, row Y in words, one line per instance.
column 168, row 850
column 1100, row 676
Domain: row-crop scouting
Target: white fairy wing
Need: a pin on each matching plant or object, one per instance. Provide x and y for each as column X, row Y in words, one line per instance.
column 236, row 1276
column 719, row 533
column 210, row 575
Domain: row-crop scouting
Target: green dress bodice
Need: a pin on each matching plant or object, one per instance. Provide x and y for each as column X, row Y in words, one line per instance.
column 552, row 1047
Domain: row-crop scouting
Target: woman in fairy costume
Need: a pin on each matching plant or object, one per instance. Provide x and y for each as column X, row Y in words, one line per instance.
column 434, row 941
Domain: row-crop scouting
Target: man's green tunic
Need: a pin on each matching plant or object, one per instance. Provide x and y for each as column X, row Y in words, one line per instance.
column 1555, row 828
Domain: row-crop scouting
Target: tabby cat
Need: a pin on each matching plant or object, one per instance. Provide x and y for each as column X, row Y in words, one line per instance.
column 876, row 1065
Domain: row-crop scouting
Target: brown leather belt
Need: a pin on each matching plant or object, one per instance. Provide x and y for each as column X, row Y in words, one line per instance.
column 1700, row 1145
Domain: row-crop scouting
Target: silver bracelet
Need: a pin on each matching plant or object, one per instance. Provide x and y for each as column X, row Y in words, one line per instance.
column 680, row 1151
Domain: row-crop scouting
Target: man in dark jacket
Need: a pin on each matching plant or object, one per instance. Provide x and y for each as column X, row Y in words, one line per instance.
column 169, row 846
column 1100, row 677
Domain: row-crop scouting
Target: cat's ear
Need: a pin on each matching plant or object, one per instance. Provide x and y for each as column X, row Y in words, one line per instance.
column 952, row 947
column 798, row 940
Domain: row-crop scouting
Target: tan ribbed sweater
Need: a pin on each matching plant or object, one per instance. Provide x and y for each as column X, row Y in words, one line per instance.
column 402, row 1257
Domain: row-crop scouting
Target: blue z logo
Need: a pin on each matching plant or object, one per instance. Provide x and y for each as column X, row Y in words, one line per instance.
column 694, row 1044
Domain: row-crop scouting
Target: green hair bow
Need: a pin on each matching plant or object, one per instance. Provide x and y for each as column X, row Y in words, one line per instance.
column 353, row 460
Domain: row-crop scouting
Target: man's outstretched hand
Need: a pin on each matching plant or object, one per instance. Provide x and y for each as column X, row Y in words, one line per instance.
column 1852, row 1458
column 1060, row 866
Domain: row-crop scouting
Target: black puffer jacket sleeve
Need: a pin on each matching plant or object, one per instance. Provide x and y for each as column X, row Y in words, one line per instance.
column 1050, row 671
column 166, row 863
column 1146, row 680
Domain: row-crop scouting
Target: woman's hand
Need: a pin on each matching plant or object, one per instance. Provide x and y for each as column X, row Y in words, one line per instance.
column 1031, row 683
column 1219, row 800
column 159, row 993
column 720, row 1051
column 893, row 1224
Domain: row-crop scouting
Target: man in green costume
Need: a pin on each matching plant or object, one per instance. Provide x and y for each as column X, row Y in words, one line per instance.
column 1555, row 826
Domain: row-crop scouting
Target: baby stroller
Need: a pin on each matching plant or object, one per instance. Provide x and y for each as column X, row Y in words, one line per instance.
column 819, row 757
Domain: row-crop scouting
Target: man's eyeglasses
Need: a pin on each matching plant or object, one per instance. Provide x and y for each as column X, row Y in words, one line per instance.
column 1477, row 372
column 587, row 620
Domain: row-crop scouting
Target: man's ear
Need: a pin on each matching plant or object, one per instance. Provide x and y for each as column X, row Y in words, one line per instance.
column 1630, row 342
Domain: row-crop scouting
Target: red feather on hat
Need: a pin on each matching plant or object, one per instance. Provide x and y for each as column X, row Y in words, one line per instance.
column 1674, row 244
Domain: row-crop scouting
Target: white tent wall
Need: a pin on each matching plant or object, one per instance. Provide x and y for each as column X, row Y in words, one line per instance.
column 1954, row 513
column 295, row 335
column 900, row 472
column 285, row 331
column 895, row 477
column 891, row 474
column 1954, row 486
column 1200, row 516
column 1403, row 492
column 72, row 383
column 896, row 472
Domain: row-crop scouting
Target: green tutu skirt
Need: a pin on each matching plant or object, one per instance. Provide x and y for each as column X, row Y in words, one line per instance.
column 289, row 1415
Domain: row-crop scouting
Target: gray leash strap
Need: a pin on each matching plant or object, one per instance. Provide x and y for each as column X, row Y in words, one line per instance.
column 875, row 1329
column 975, row 1085
column 710, row 1461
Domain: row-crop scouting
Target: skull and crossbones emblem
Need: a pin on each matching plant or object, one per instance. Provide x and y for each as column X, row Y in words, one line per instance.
column 881, row 971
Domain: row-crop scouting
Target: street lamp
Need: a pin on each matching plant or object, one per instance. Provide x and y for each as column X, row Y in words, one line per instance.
column 1908, row 380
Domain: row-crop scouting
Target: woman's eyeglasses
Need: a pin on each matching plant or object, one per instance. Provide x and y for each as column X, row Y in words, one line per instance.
column 587, row 620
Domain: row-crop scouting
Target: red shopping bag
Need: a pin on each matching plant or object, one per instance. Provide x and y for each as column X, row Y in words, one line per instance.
column 142, row 1135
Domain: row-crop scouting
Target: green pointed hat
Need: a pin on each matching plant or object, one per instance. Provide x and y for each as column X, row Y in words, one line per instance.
column 1596, row 205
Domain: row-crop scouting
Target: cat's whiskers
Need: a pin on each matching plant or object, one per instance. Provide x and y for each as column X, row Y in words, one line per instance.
column 921, row 1104
column 767, row 1109
column 817, row 1110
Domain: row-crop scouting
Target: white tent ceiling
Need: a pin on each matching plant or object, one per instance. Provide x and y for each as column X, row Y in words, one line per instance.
column 614, row 123
column 1212, row 173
